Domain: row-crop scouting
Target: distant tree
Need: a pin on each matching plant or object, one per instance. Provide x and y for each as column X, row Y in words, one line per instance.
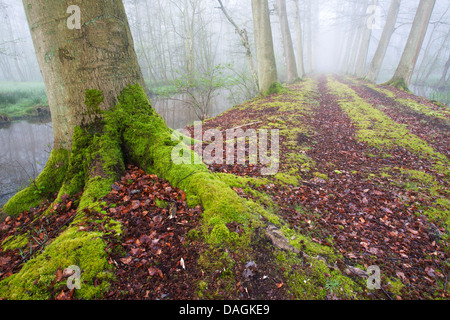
column 405, row 69
column 245, row 42
column 291, row 64
column 361, row 26
column 267, row 68
column 375, row 66
column 365, row 42
column 444, row 73
column 299, row 40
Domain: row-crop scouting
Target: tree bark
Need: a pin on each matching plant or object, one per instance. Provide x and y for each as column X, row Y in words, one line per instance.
column 357, row 42
column 405, row 69
column 309, row 40
column 375, row 66
column 299, row 40
column 100, row 55
column 267, row 69
column 353, row 27
column 291, row 65
column 364, row 48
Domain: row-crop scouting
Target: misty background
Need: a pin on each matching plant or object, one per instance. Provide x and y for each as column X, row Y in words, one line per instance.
column 167, row 32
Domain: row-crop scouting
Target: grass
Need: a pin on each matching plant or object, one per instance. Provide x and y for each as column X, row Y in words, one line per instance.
column 20, row 99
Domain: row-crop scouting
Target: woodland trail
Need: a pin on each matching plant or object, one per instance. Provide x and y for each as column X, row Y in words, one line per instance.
column 363, row 181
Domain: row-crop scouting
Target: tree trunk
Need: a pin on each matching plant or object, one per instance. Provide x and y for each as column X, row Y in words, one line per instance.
column 444, row 73
column 375, row 66
column 299, row 40
column 291, row 65
column 353, row 27
column 100, row 55
column 436, row 58
column 267, row 69
column 405, row 69
column 309, row 40
column 361, row 62
column 357, row 43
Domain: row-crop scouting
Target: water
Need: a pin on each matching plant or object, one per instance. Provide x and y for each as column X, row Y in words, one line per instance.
column 25, row 146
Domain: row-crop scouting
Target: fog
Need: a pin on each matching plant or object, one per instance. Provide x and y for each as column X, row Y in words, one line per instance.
column 170, row 35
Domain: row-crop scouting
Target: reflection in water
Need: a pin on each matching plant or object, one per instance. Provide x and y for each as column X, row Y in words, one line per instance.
column 24, row 149
column 25, row 146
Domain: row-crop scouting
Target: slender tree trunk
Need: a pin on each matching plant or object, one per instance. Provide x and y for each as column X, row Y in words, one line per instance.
column 444, row 73
column 353, row 27
column 291, row 65
column 436, row 58
column 299, row 40
column 375, row 66
column 309, row 40
column 364, row 48
column 267, row 69
column 405, row 69
column 99, row 56
column 357, row 43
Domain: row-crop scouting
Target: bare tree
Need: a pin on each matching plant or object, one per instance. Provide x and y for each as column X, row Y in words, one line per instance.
column 388, row 30
column 291, row 65
column 361, row 62
column 444, row 73
column 299, row 40
column 267, row 69
column 405, row 69
column 245, row 42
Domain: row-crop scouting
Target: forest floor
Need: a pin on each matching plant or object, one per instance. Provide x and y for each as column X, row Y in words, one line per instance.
column 363, row 181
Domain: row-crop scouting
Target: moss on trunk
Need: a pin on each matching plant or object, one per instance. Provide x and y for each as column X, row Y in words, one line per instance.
column 399, row 83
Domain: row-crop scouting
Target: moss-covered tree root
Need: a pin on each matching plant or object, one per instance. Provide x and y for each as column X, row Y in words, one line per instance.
column 130, row 132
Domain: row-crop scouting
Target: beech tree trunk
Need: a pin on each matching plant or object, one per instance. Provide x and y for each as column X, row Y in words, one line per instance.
column 291, row 65
column 361, row 62
column 299, row 40
column 357, row 42
column 375, row 66
column 100, row 55
column 267, row 69
column 405, row 69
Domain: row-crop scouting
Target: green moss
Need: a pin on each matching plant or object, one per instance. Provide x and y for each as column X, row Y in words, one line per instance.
column 321, row 175
column 275, row 88
column 399, row 83
column 161, row 203
column 314, row 279
column 376, row 129
column 85, row 250
column 18, row 242
column 287, row 179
